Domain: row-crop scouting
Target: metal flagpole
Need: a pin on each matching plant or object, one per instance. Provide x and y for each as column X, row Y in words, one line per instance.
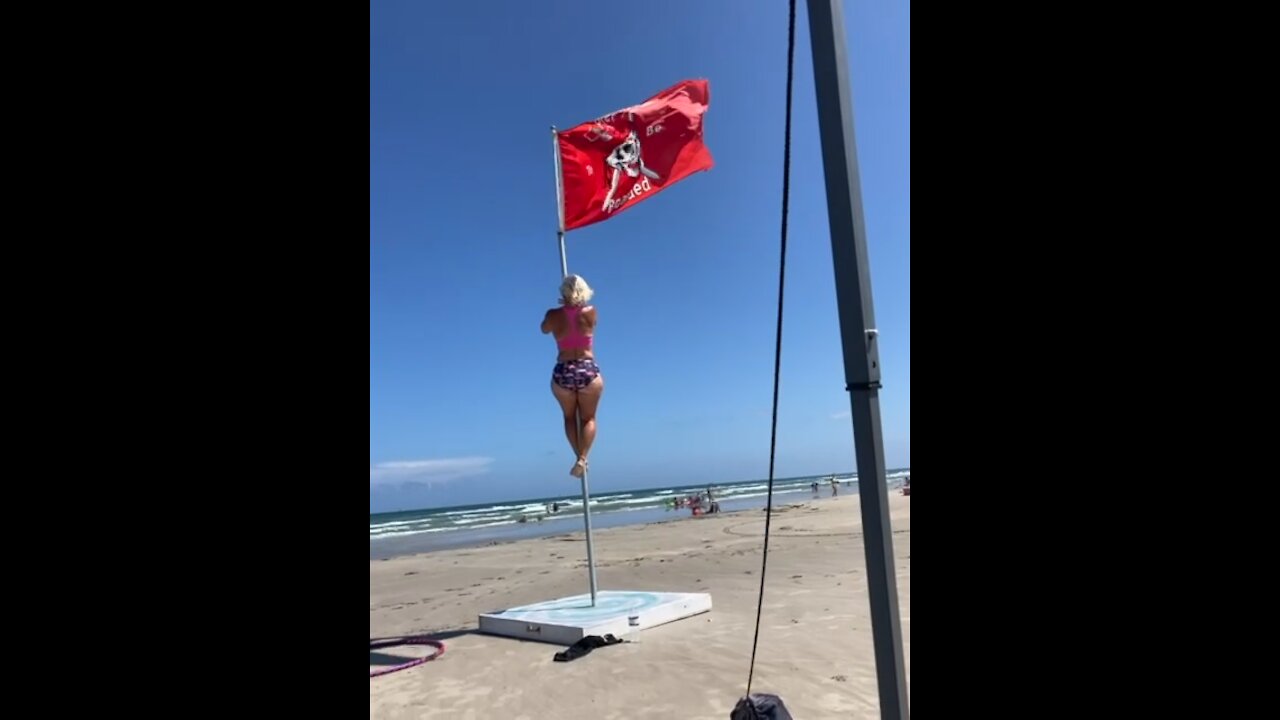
column 857, row 331
column 564, row 272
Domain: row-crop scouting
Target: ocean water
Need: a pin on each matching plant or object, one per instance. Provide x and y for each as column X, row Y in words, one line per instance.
column 414, row 531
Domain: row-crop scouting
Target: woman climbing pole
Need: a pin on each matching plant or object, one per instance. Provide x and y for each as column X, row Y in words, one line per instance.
column 576, row 380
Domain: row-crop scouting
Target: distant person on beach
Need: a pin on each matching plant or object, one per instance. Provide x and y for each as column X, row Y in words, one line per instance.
column 814, row 485
column 576, row 380
column 835, row 487
column 712, row 505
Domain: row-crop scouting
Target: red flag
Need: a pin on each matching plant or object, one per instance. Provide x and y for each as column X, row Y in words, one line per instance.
column 614, row 162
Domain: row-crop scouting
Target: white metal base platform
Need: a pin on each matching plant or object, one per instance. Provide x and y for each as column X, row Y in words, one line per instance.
column 617, row 612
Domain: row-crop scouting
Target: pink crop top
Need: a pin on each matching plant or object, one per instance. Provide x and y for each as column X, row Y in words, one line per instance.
column 573, row 339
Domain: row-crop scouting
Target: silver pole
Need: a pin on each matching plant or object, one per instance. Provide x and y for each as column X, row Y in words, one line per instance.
column 564, row 272
column 564, row 263
column 555, row 149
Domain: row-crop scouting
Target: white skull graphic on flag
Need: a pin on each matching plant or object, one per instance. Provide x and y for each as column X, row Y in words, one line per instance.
column 626, row 158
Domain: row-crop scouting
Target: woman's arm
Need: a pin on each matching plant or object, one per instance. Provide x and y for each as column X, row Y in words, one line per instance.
column 546, row 322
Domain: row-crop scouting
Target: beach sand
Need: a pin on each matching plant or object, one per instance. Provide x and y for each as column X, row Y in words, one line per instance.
column 815, row 637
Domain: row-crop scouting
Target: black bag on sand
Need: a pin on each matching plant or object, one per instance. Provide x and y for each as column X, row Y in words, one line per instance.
column 585, row 646
column 760, row 706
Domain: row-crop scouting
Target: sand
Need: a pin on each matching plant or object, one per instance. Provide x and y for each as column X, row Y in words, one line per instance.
column 815, row 638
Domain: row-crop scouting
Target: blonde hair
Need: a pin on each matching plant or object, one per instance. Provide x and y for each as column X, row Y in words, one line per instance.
column 575, row 291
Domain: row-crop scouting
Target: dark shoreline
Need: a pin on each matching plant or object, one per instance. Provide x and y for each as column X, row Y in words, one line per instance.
column 565, row 524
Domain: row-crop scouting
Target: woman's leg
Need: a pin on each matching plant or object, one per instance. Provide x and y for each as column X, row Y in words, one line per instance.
column 568, row 400
column 588, row 401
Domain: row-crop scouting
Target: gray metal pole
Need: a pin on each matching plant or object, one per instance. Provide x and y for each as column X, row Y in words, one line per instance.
column 857, row 331
column 564, row 272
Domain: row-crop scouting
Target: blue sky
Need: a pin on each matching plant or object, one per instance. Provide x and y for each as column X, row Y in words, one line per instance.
column 463, row 259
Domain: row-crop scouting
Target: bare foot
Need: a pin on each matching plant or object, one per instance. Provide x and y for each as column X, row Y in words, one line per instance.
column 579, row 468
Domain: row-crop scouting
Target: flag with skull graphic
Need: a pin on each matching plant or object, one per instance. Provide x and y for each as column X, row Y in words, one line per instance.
column 614, row 162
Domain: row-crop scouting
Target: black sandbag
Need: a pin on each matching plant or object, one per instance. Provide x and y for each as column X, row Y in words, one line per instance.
column 760, row 706
column 585, row 646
